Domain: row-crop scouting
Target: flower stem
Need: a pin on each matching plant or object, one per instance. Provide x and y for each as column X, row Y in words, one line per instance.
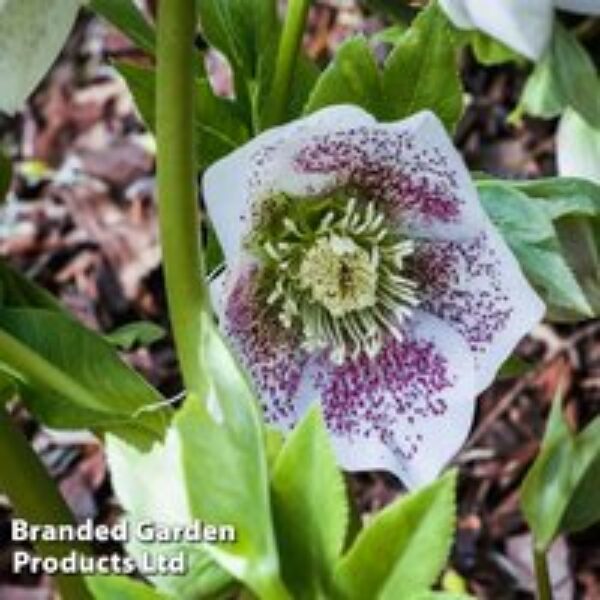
column 287, row 58
column 35, row 498
column 542, row 576
column 178, row 210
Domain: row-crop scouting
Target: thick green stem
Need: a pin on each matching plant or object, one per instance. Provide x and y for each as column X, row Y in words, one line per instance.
column 287, row 58
column 542, row 576
column 178, row 198
column 35, row 498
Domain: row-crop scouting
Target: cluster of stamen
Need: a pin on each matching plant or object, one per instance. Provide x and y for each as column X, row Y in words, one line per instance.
column 334, row 269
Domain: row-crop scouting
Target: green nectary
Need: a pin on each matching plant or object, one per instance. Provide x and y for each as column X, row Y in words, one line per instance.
column 333, row 268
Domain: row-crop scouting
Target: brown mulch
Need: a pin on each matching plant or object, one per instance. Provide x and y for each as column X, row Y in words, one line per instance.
column 81, row 221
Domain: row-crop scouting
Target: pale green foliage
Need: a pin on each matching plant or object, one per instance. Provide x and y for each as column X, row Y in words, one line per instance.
column 32, row 33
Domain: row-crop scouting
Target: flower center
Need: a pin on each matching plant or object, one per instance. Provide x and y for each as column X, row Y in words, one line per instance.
column 333, row 269
column 339, row 275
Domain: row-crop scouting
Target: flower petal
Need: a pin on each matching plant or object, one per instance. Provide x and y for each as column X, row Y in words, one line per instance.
column 406, row 411
column 410, row 168
column 585, row 7
column 236, row 183
column 524, row 26
column 476, row 285
column 270, row 353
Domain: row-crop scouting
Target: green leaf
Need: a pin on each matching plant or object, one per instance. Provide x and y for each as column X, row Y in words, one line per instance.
column 308, row 488
column 351, row 78
column 422, row 71
column 533, row 221
column 97, row 390
column 491, row 52
column 241, row 29
column 583, row 510
column 246, row 32
column 514, row 366
column 16, row 291
column 8, row 388
column 32, row 33
column 578, row 147
column 441, row 596
column 574, row 207
column 404, row 548
column 391, row 35
column 566, row 76
column 6, row 173
column 109, row 587
column 219, row 127
column 560, row 491
column 140, row 333
column 139, row 480
column 126, row 17
column 226, row 468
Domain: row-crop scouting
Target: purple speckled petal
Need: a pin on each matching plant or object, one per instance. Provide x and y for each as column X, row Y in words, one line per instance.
column 410, row 168
column 236, row 183
column 476, row 285
column 270, row 353
column 408, row 410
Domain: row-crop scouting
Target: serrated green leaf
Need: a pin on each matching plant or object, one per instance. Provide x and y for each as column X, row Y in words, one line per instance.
column 92, row 388
column 308, row 488
column 32, row 33
column 226, row 468
column 142, row 333
column 404, row 548
column 127, row 17
column 351, row 78
column 566, row 76
column 422, row 71
column 219, row 127
column 111, row 587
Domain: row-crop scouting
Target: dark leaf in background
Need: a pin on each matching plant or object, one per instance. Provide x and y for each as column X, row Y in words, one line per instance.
column 421, row 72
column 219, row 127
column 6, row 173
column 552, row 226
column 139, row 333
column 352, row 77
column 566, row 76
column 125, row 16
column 560, row 493
column 18, row 291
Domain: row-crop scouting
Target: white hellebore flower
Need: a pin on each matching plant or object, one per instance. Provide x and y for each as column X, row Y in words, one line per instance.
column 523, row 25
column 363, row 273
column 32, row 33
